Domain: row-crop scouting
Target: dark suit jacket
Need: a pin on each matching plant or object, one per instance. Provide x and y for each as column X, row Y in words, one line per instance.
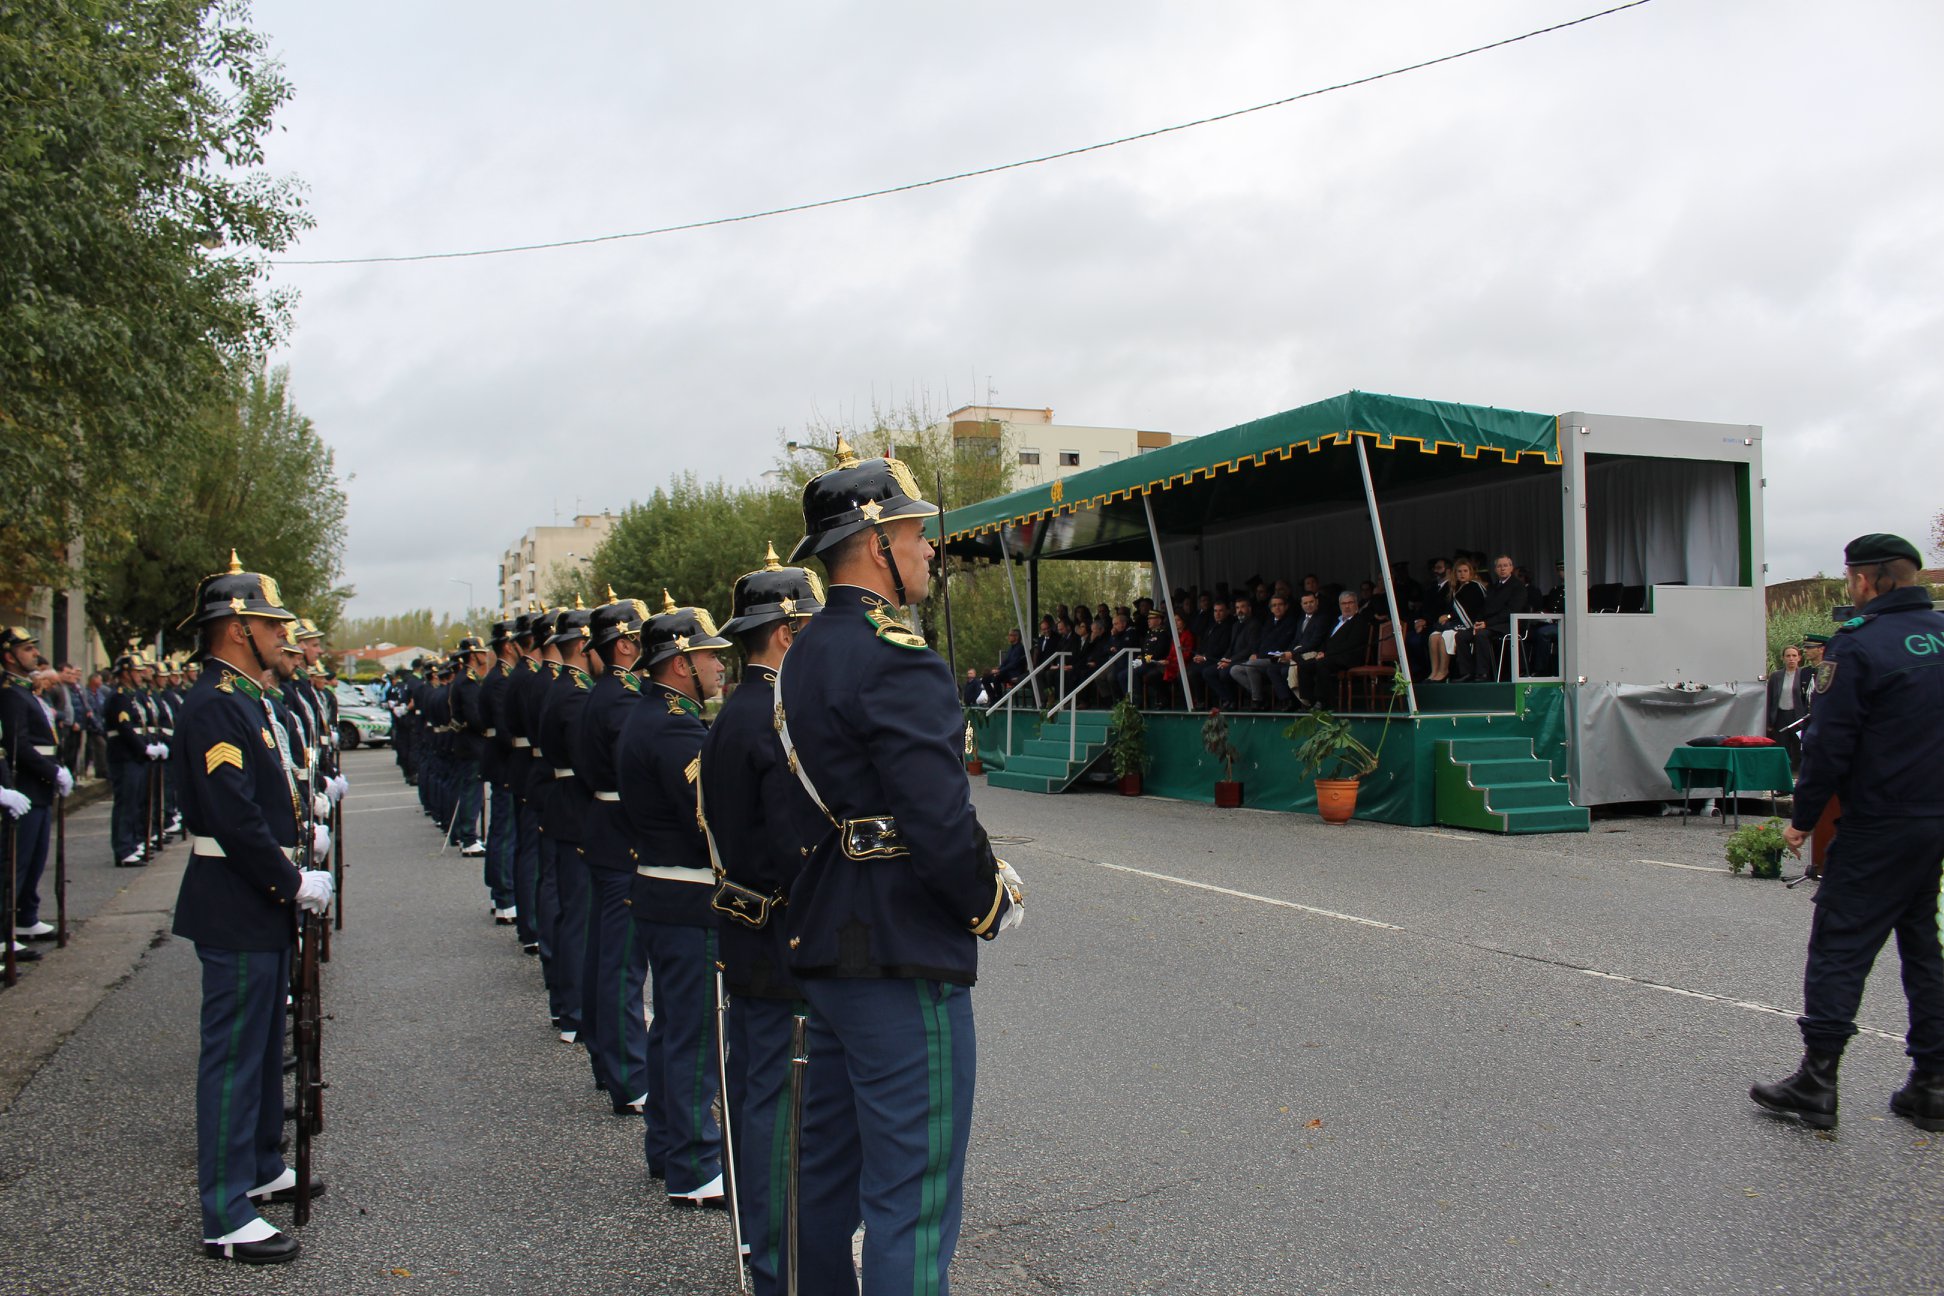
column 1311, row 631
column 1348, row 645
column 1502, row 599
column 1804, row 684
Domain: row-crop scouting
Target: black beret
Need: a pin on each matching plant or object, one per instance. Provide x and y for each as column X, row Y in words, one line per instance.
column 1879, row 547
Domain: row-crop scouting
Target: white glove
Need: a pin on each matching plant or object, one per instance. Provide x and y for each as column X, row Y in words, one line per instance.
column 320, row 844
column 153, row 751
column 1016, row 892
column 335, row 787
column 314, row 893
column 162, row 751
column 320, row 805
column 63, row 782
column 14, row 803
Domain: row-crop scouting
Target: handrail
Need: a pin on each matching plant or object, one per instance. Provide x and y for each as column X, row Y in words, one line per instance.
column 1073, row 728
column 1006, row 698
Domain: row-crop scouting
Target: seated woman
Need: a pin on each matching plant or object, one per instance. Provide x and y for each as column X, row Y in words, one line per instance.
column 1788, row 702
column 1464, row 592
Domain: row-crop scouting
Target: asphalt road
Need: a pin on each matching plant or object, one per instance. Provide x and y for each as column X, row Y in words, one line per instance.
column 1279, row 1058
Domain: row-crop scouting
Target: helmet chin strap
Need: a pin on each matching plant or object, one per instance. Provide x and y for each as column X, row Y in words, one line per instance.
column 884, row 547
column 250, row 639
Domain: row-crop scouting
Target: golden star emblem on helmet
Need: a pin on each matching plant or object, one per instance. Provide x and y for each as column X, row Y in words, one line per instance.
column 870, row 510
column 788, row 606
column 681, row 643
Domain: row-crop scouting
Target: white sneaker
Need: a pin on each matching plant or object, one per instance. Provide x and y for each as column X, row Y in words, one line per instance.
column 473, row 849
column 35, row 932
column 504, row 917
column 568, row 1037
column 709, row 1194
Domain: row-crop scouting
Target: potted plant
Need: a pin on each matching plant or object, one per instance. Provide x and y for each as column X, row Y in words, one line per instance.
column 1757, row 848
column 1215, row 739
column 1127, row 745
column 1333, row 756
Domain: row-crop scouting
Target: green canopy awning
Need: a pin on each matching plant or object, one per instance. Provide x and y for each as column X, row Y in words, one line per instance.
column 1255, row 468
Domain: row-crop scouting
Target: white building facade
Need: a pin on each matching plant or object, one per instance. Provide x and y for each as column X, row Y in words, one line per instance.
column 1044, row 450
column 527, row 569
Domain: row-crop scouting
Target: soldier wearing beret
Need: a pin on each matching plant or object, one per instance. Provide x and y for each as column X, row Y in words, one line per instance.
column 758, row 816
column 33, row 761
column 885, row 918
column 1876, row 739
column 240, row 893
column 657, row 767
column 614, row 966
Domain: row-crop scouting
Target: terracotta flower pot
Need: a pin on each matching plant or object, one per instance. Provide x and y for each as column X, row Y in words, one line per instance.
column 1130, row 785
column 1336, row 799
column 1228, row 793
column 975, row 766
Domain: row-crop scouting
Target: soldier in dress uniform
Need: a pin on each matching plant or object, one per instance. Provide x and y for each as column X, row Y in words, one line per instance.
column 615, row 965
column 238, row 904
column 757, row 816
column 129, row 747
column 1876, row 739
column 494, row 757
column 33, row 761
column 469, row 725
column 168, row 698
column 885, row 917
column 316, row 688
column 521, row 701
column 657, row 768
column 565, row 804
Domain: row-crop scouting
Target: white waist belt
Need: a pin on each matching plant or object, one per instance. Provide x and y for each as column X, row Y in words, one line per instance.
column 492, row 733
column 563, row 773
column 521, row 742
column 212, row 848
column 667, row 874
column 607, row 796
column 44, row 749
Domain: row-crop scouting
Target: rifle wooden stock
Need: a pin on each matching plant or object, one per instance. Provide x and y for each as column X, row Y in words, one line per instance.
column 60, row 872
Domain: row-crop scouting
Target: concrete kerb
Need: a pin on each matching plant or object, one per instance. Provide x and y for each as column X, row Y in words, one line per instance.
column 56, row 995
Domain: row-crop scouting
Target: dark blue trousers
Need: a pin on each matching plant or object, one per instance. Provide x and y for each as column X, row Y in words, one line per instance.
column 612, row 1019
column 467, row 794
column 570, row 933
column 759, row 1085
column 1881, row 877
column 682, row 1138
column 526, row 873
column 239, row 1082
column 887, row 1111
column 30, row 861
column 501, row 830
column 130, row 781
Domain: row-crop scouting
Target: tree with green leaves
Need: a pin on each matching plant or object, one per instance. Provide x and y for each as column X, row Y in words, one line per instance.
column 249, row 473
column 135, row 217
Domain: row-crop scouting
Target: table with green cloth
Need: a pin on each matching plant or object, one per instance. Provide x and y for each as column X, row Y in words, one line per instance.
column 1732, row 769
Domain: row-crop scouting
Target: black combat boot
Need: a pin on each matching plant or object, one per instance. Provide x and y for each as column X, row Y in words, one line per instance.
column 1809, row 1095
column 1921, row 1100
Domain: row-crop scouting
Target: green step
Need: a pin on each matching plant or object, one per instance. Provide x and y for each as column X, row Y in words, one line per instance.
column 1570, row 818
column 1489, row 773
column 1057, row 747
column 1527, row 796
column 1041, row 766
column 1006, row 778
column 1470, row 750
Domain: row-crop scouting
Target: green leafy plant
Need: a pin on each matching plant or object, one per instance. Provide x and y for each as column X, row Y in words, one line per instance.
column 1324, row 743
column 1757, row 848
column 1215, row 740
column 1127, row 739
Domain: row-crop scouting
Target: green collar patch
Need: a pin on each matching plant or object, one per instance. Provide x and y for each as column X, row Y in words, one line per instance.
column 581, row 678
column 236, row 680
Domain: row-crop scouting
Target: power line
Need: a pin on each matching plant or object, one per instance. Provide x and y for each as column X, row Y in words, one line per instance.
column 963, row 175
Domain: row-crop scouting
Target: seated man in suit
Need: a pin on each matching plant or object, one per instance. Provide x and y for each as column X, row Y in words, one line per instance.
column 1211, row 645
column 1312, row 630
column 1347, row 645
column 1478, row 644
column 1266, row 672
column 1011, row 668
column 1244, row 633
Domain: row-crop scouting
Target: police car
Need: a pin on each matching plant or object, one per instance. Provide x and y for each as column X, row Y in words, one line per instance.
column 362, row 718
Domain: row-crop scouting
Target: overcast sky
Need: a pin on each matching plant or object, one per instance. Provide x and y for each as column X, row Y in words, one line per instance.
column 1726, row 210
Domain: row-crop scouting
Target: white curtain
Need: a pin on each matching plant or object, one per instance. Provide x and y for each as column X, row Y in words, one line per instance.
column 1663, row 522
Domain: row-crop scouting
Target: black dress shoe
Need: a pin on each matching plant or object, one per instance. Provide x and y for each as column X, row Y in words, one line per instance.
column 289, row 1065
column 288, row 1194
column 290, row 1113
column 26, row 953
column 278, row 1248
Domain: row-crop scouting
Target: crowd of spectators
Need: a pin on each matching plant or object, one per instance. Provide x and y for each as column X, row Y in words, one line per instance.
column 1284, row 646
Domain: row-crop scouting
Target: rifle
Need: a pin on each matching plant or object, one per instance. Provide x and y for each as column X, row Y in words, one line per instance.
column 728, row 1132
column 337, row 866
column 60, row 872
column 793, row 1189
column 12, row 973
column 307, row 1041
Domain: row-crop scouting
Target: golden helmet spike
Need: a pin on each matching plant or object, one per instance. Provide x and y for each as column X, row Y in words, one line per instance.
column 846, row 457
column 612, row 598
column 668, row 602
column 236, row 564
column 770, row 561
column 578, row 605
